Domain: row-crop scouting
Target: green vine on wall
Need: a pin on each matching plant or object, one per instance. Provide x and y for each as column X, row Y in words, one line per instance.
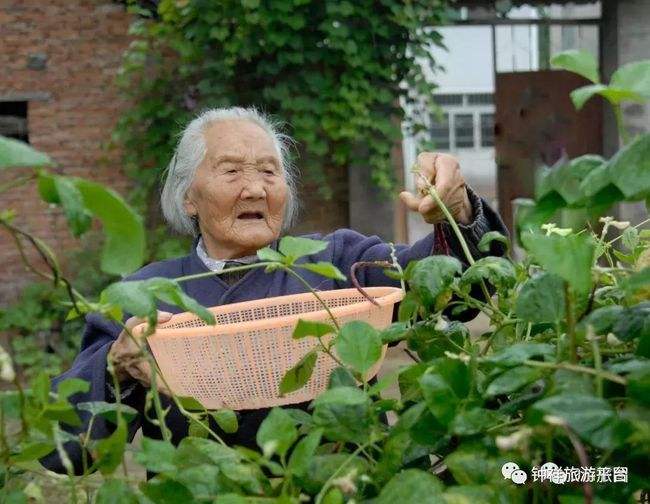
column 333, row 71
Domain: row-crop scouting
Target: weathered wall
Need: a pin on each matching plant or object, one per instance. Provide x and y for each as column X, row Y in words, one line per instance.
column 61, row 56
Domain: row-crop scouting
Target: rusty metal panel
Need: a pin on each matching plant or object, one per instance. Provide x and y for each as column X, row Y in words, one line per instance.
column 535, row 123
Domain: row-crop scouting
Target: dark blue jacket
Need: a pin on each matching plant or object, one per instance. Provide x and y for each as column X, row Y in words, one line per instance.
column 345, row 248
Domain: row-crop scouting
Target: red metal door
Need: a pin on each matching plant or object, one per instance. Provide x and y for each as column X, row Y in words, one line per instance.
column 535, row 123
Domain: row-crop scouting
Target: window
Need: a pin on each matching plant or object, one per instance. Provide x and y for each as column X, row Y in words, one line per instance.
column 440, row 132
column 464, row 130
column 480, row 99
column 13, row 120
column 448, row 99
column 487, row 130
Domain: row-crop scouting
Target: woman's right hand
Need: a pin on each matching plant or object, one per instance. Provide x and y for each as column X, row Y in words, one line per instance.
column 127, row 354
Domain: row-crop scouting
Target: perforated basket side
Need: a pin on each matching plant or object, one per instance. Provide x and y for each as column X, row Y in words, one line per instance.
column 242, row 369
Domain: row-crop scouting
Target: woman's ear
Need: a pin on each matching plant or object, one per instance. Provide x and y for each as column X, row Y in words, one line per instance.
column 190, row 207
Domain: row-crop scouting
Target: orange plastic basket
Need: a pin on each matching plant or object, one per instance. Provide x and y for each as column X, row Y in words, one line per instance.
column 239, row 362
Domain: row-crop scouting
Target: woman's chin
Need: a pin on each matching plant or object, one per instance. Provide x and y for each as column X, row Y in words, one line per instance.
column 255, row 235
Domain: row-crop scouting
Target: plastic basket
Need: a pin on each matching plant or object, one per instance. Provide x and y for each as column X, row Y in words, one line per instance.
column 239, row 362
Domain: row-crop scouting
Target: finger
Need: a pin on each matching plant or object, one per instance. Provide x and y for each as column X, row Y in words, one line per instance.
column 427, row 205
column 162, row 317
column 427, row 162
column 411, row 201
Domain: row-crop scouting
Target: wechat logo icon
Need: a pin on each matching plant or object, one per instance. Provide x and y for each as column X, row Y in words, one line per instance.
column 511, row 471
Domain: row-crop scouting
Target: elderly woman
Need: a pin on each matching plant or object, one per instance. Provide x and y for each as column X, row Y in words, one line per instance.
column 230, row 186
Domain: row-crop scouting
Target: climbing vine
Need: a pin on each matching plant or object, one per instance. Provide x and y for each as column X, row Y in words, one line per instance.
column 334, row 72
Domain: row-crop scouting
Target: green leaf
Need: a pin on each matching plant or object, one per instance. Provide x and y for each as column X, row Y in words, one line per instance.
column 513, row 380
column 486, row 240
column 633, row 323
column 499, row 271
column 32, row 451
column 638, row 386
column 166, row 491
column 516, row 354
column 432, row 276
column 156, row 455
column 325, row 269
column 268, row 254
column 277, row 433
column 322, row 467
column 344, row 413
column 358, row 346
column 439, row 397
column 475, row 421
column 226, row 419
column 17, row 154
column 298, row 376
column 629, row 169
column 541, row 299
column 395, row 332
column 412, row 485
column 79, row 219
column 306, row 328
column 115, row 491
column 472, row 465
column 132, row 297
column 170, row 292
column 578, row 61
column 341, row 377
column 124, row 246
column 303, row 452
column 71, row 386
column 583, row 94
column 294, row 248
column 634, row 77
column 430, row 342
column 636, row 281
column 602, row 319
column 587, row 415
column 576, row 251
column 61, row 411
column 110, row 450
column 190, row 403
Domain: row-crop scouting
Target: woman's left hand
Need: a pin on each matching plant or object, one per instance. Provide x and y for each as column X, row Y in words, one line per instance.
column 443, row 172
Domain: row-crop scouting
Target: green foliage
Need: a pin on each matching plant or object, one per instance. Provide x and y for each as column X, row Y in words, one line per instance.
column 17, row 154
column 333, row 71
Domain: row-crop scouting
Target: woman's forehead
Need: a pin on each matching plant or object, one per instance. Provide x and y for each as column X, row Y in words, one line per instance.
column 238, row 138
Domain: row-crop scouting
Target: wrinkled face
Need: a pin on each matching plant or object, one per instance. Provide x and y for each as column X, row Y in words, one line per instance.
column 239, row 191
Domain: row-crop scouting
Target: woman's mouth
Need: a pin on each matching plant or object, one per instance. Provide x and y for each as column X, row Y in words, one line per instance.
column 251, row 216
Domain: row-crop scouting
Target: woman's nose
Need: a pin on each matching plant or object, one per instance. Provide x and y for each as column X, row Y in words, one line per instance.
column 253, row 188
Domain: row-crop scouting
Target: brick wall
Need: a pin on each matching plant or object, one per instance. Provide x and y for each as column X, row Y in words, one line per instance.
column 73, row 106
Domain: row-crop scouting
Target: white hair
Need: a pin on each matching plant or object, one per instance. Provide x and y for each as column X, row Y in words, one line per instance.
column 191, row 150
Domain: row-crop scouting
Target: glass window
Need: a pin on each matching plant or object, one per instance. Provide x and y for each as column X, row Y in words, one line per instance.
column 480, row 99
column 13, row 120
column 464, row 130
column 448, row 99
column 487, row 130
column 440, row 132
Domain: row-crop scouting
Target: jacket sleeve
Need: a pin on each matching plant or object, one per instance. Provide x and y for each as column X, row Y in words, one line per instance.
column 351, row 247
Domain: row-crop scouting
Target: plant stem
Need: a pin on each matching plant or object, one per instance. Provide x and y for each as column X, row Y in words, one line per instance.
column 622, row 130
column 328, row 483
column 570, row 322
column 598, row 363
column 578, row 369
column 313, row 291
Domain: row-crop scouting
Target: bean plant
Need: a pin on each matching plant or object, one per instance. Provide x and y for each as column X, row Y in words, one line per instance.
column 562, row 375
